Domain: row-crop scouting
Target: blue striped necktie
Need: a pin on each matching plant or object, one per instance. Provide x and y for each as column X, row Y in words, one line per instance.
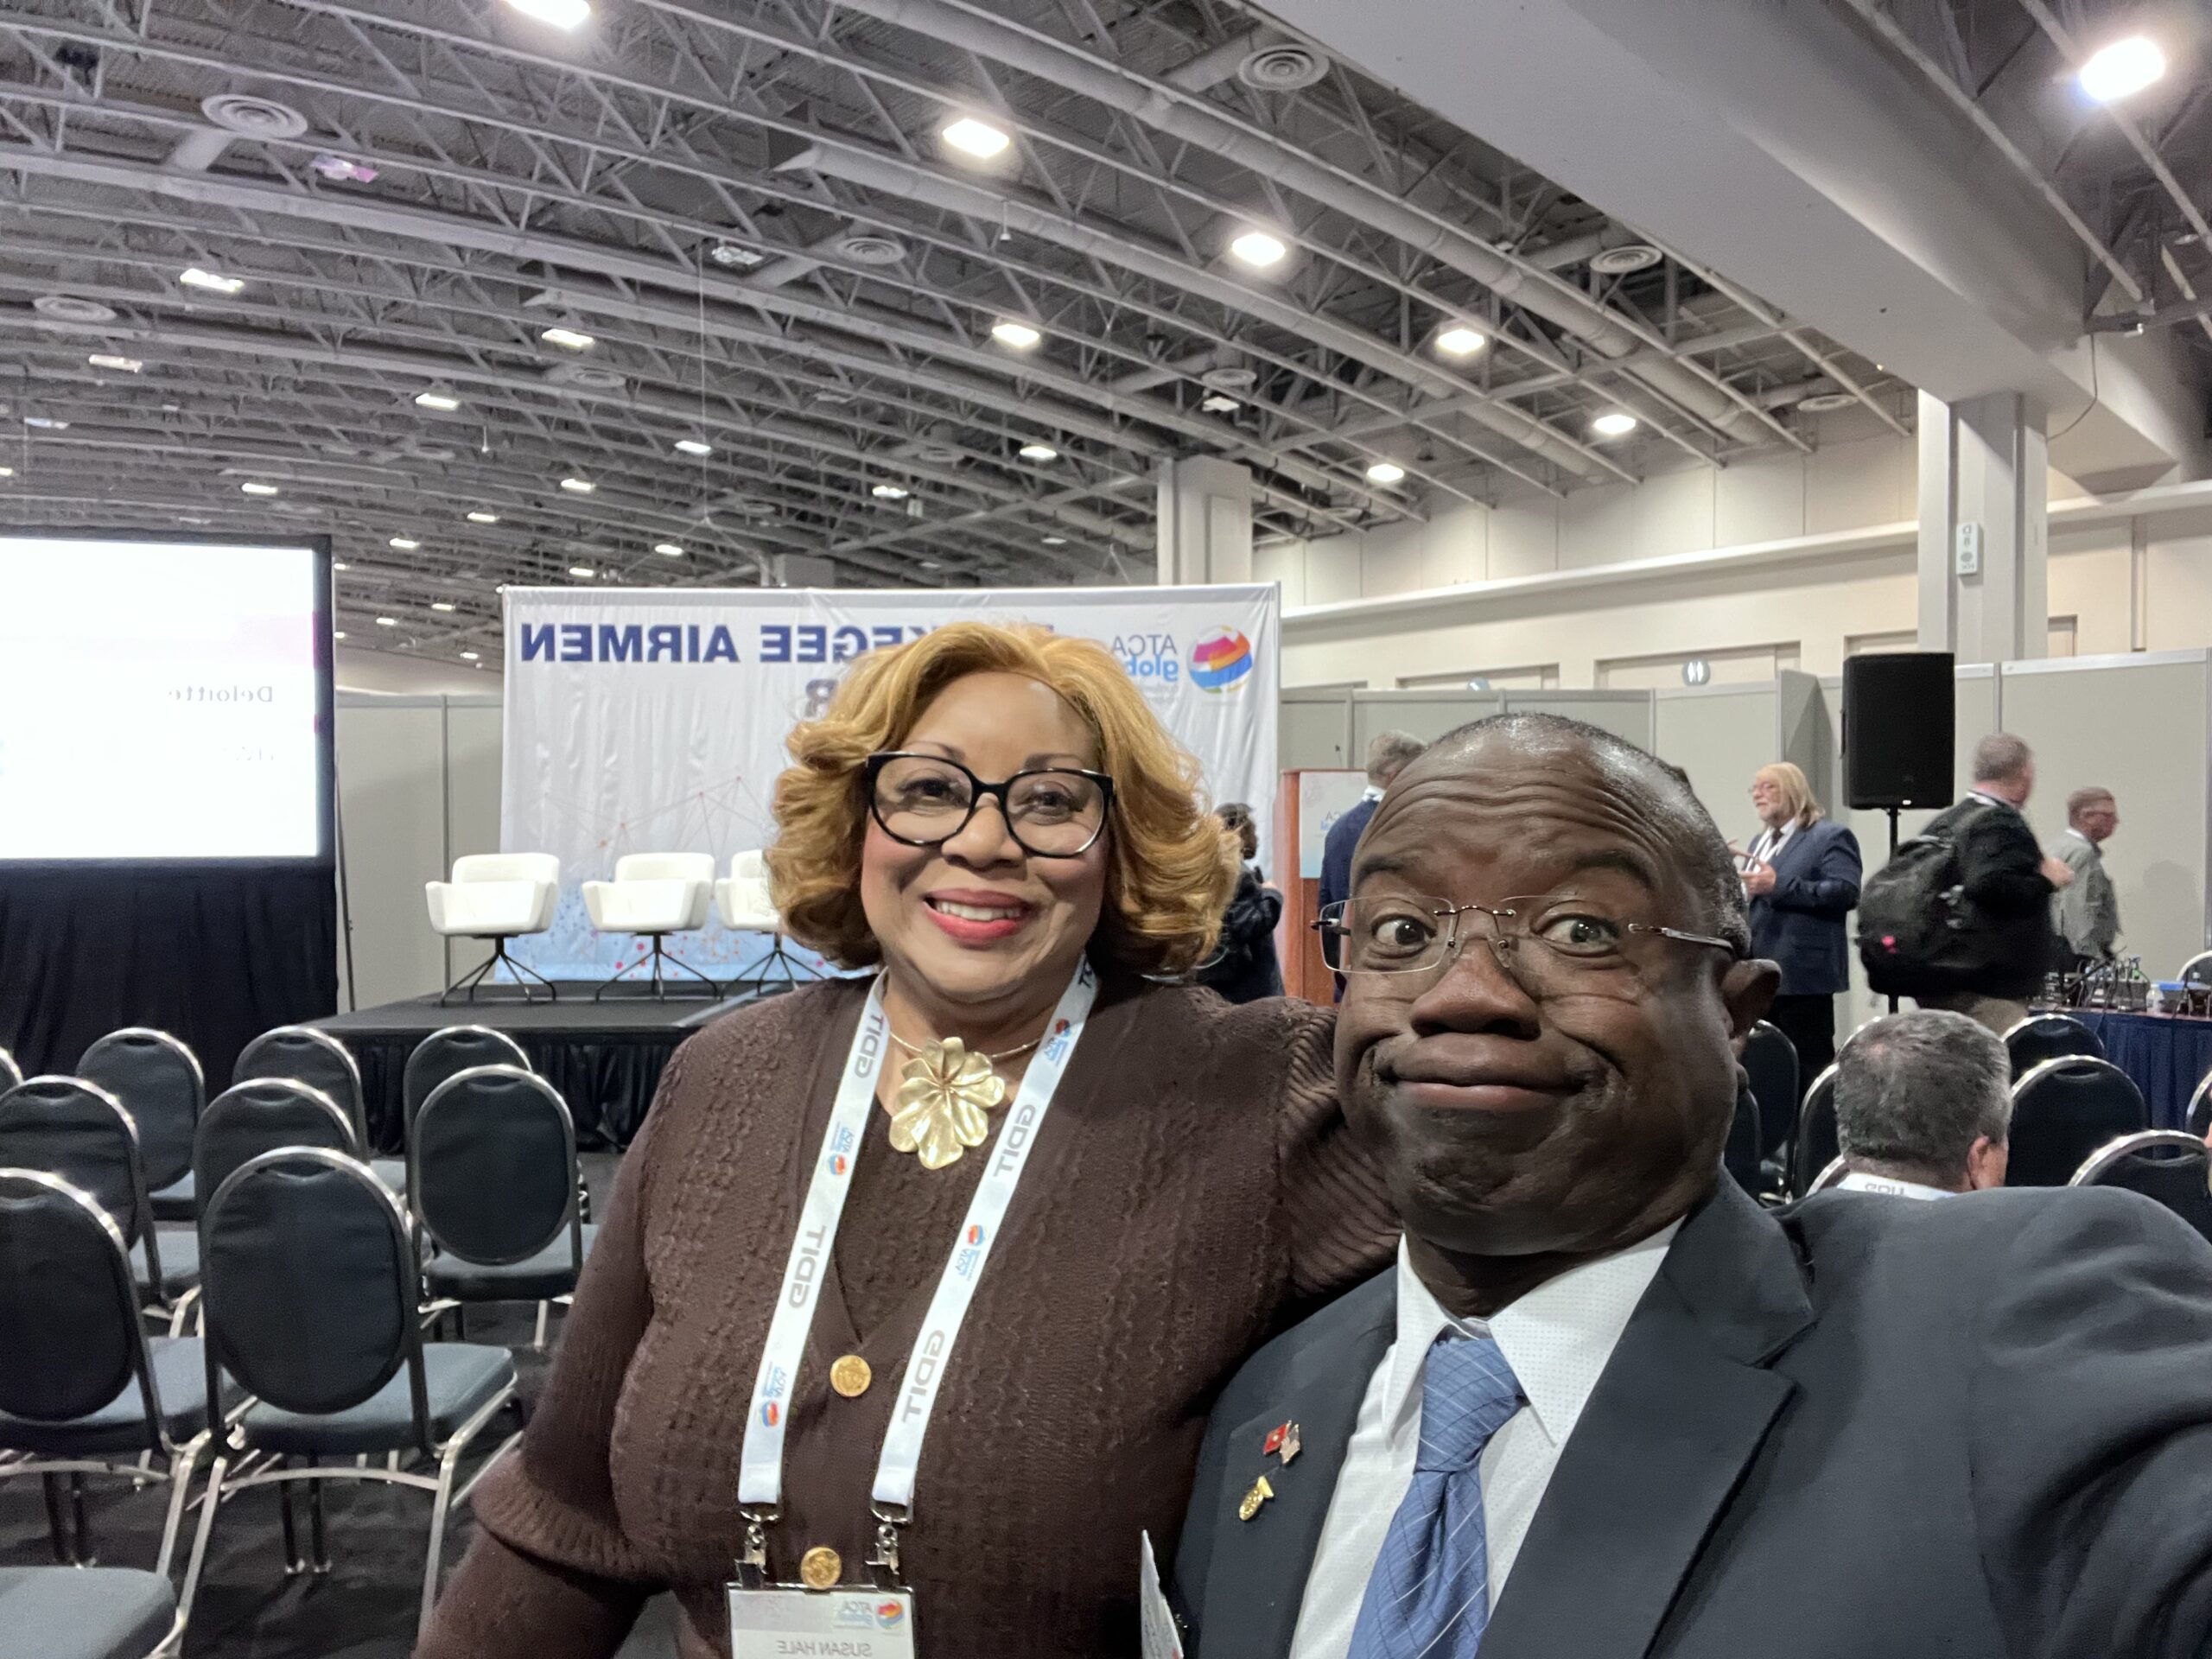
column 1428, row 1597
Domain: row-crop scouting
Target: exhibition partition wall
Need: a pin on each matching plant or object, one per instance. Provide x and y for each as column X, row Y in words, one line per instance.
column 655, row 720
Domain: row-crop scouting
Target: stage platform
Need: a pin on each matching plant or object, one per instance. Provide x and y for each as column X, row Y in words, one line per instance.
column 605, row 1058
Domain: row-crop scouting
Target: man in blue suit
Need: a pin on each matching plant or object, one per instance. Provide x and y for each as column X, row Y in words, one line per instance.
column 1605, row 1406
column 1802, row 876
column 1387, row 755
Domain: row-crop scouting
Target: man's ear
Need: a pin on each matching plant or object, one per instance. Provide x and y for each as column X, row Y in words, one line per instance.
column 1748, row 989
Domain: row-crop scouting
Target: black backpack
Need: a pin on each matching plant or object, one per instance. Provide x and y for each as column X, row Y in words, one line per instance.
column 1919, row 933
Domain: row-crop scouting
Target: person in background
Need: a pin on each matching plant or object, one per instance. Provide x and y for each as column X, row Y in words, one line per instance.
column 1244, row 966
column 1802, row 876
column 2087, row 911
column 1388, row 754
column 1923, row 1104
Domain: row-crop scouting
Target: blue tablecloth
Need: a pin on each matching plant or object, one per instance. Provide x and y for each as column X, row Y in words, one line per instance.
column 2166, row 1057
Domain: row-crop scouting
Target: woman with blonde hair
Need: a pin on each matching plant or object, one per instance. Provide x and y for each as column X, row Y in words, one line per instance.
column 915, row 1291
column 1801, row 875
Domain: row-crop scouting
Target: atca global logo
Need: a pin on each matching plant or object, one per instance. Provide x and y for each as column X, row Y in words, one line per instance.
column 1222, row 661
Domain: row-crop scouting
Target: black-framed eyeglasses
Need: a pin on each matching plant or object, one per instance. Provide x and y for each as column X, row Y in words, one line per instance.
column 924, row 800
column 1546, row 941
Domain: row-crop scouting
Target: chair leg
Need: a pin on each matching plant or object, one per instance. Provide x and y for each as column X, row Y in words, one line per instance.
column 523, row 975
column 210, row 1502
column 468, row 982
column 181, row 1465
column 83, row 1550
column 293, row 1565
column 431, row 1557
column 537, row 1342
column 315, row 1533
column 57, row 1531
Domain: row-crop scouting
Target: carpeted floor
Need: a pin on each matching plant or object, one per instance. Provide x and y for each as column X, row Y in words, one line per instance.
column 365, row 1607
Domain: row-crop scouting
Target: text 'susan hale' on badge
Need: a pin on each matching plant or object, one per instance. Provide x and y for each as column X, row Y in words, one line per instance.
column 856, row 1624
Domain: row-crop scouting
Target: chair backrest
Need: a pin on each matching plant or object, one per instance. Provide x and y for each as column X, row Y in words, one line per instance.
column 312, row 1056
column 491, row 1166
column 445, row 1054
column 2197, row 970
column 70, row 1335
column 749, row 866
column 1816, row 1147
column 266, row 1115
column 2163, row 1165
column 2064, row 1110
column 79, row 1131
column 1836, row 1170
column 1770, row 1063
column 665, row 867
column 507, row 867
column 2199, row 1122
column 10, row 1073
column 2042, row 1036
column 1740, row 1156
column 159, row 1084
column 309, row 1283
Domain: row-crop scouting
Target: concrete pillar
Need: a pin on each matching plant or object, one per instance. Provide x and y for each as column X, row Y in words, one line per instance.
column 1205, row 522
column 1985, row 529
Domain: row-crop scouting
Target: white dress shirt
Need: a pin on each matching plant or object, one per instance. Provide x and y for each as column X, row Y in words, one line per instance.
column 1773, row 841
column 1557, row 1338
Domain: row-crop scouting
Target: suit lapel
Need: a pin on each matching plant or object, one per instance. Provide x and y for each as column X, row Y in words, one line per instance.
column 1681, row 1409
column 1257, row 1579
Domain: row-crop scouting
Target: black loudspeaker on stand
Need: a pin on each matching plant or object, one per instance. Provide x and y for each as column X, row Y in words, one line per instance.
column 1900, row 718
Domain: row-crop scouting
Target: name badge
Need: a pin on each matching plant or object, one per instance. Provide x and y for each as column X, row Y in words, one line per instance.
column 794, row 1623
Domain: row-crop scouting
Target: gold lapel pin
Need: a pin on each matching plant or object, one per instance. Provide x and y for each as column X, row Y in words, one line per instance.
column 1261, row 1493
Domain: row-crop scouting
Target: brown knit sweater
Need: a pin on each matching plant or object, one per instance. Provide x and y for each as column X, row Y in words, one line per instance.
column 1193, row 1190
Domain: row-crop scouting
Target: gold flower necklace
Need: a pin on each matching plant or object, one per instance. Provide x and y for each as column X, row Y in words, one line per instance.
column 946, row 1095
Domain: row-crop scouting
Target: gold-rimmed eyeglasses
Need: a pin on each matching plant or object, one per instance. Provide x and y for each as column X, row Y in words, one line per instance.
column 1543, row 939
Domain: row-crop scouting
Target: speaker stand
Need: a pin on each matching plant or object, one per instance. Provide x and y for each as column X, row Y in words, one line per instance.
column 1892, row 811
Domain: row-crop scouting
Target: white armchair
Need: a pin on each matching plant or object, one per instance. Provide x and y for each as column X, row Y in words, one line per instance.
column 742, row 898
column 653, row 895
column 496, row 896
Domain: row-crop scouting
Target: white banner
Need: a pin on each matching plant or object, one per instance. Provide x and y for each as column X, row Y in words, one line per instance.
column 654, row 720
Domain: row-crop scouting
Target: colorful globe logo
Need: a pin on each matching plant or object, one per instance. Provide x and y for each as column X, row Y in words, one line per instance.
column 1221, row 660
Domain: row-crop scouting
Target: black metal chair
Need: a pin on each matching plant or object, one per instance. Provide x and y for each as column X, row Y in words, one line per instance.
column 319, row 1060
column 1740, row 1156
column 1770, row 1063
column 1815, row 1147
column 2197, row 970
column 98, row 1612
column 79, row 1131
column 267, row 1114
column 2164, row 1165
column 311, row 1303
column 159, row 1084
column 448, row 1053
column 10, row 1073
column 1836, row 1170
column 2065, row 1111
column 492, row 1179
column 2199, row 1121
column 82, row 1389
column 2042, row 1036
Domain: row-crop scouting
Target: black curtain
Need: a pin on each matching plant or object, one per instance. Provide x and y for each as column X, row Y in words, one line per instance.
column 210, row 954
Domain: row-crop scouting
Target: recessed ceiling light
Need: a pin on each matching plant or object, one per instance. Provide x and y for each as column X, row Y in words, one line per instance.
column 483, row 518
column 583, row 572
column 889, row 492
column 1259, row 248
column 467, row 656
column 340, row 634
column 1613, row 424
column 340, row 565
column 1219, row 404
column 1460, row 341
column 110, row 360
column 387, row 621
column 668, row 549
column 46, row 423
column 1040, row 451
column 1056, row 541
column 213, row 281
column 578, row 485
column 1385, row 471
column 405, row 543
column 731, row 256
column 437, row 398
column 253, row 488
column 694, row 447
column 2123, row 69
column 977, row 138
column 1020, row 335
column 7, row 471
column 442, row 605
column 561, row 14
column 568, row 339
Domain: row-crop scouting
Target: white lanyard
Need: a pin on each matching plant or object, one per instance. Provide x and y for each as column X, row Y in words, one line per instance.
column 760, row 1459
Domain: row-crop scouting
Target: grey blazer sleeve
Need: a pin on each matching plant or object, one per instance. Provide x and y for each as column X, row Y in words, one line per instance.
column 2091, row 1421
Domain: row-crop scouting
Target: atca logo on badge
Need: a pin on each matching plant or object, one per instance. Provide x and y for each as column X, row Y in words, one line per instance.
column 1222, row 661
column 888, row 1615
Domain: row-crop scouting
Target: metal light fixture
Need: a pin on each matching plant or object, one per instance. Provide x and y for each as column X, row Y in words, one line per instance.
column 1460, row 341
column 1385, row 471
column 1040, row 451
column 1259, row 249
column 1614, row 424
column 1020, row 335
column 2122, row 69
column 974, row 137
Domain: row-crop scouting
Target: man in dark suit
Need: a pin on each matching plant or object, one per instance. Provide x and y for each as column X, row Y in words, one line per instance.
column 1802, row 874
column 1388, row 754
column 1606, row 1407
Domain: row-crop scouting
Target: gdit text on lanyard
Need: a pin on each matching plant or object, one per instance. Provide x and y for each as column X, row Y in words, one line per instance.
column 760, row 1475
